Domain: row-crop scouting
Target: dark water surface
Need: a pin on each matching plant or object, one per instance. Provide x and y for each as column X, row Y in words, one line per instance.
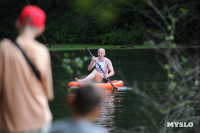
column 120, row 109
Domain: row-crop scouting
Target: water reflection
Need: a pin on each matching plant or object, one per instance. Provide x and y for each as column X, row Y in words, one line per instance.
column 107, row 108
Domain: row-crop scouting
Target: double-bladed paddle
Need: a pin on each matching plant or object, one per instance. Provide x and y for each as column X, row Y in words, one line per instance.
column 101, row 68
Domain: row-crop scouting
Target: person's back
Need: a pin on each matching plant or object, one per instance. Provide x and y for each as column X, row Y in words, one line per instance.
column 84, row 105
column 24, row 97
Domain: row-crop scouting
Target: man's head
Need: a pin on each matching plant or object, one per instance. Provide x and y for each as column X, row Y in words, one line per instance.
column 85, row 100
column 32, row 17
column 101, row 53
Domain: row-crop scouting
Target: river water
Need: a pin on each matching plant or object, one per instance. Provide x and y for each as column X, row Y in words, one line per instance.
column 121, row 110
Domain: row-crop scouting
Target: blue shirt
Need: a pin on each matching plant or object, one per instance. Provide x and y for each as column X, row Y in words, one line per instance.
column 76, row 126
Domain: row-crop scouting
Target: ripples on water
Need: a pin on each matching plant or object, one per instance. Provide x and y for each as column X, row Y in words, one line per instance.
column 111, row 102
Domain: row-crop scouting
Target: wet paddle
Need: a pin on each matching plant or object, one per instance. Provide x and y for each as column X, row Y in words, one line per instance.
column 100, row 68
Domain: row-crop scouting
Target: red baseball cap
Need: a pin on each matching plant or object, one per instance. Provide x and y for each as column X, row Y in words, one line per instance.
column 33, row 16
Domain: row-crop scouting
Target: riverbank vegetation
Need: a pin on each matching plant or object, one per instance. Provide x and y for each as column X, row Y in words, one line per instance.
column 114, row 22
column 97, row 46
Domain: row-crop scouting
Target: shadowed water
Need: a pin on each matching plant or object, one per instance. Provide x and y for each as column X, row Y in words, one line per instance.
column 120, row 109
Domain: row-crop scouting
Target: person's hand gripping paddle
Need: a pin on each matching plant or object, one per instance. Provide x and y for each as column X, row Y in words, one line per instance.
column 101, row 68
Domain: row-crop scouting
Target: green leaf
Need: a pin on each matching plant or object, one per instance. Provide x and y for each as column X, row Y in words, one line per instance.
column 171, row 76
column 173, row 84
column 68, row 69
column 187, row 72
column 196, row 82
column 67, row 61
column 183, row 58
column 181, row 87
column 173, row 46
column 166, row 66
column 171, row 37
column 169, row 27
column 85, row 58
column 183, row 10
column 66, row 55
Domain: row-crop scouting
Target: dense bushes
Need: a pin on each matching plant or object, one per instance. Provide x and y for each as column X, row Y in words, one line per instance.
column 127, row 35
column 66, row 25
column 73, row 28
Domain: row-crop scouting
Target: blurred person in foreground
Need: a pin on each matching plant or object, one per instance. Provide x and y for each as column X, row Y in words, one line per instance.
column 23, row 96
column 84, row 105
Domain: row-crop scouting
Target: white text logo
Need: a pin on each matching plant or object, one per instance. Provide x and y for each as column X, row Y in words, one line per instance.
column 179, row 124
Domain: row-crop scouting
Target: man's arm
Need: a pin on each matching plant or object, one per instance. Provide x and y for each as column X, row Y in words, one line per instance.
column 46, row 78
column 92, row 63
column 110, row 67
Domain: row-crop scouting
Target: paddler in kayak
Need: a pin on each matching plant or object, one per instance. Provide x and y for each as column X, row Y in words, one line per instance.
column 106, row 66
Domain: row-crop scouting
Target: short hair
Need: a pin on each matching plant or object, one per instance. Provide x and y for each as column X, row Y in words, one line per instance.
column 102, row 49
column 86, row 99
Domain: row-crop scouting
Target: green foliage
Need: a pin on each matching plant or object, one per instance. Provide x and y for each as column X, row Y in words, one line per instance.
column 65, row 31
column 113, row 37
column 73, row 64
column 56, row 33
column 196, row 82
column 130, row 34
column 169, row 38
column 70, row 29
column 108, row 22
column 166, row 66
column 84, row 5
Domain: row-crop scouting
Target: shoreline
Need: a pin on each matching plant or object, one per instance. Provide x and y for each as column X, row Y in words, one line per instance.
column 58, row 47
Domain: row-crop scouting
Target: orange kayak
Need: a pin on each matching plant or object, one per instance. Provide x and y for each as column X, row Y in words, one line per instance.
column 116, row 83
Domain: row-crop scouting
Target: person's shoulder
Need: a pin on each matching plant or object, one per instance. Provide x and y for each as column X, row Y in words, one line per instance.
column 41, row 48
column 4, row 43
column 107, row 60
